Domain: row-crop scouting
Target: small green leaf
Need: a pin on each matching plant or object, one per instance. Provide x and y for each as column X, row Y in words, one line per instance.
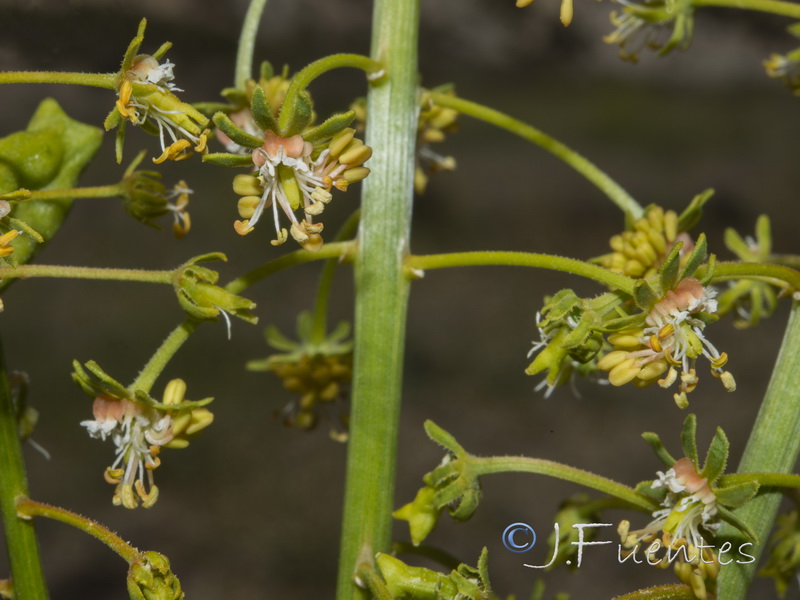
column 654, row 442
column 298, row 116
column 330, row 127
column 717, row 457
column 226, row 159
column 689, row 440
column 644, row 295
column 226, row 126
column 736, row 495
column 262, row 112
column 697, row 257
column 694, row 211
column 668, row 273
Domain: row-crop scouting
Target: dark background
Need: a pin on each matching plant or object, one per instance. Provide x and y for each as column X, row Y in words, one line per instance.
column 252, row 509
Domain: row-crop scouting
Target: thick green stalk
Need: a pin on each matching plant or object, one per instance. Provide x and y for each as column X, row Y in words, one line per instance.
column 381, row 293
column 773, row 447
column 23, row 551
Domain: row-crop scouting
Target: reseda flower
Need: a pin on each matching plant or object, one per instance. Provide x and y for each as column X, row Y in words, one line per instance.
column 646, row 25
column 295, row 168
column 672, row 337
column 687, row 521
column 146, row 98
column 786, row 68
column 139, row 431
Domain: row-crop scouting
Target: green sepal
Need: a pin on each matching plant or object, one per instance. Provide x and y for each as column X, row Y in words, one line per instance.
column 201, row 299
column 668, row 273
column 689, row 440
column 736, row 495
column 731, row 518
column 146, row 399
column 26, row 229
column 330, row 127
column 262, row 112
column 444, row 439
column 622, row 323
column 422, row 515
column 50, row 154
column 690, row 217
column 150, row 577
column 226, row 126
column 236, row 96
column 162, row 51
column 645, row 488
column 697, row 257
column 226, row 159
column 717, row 457
column 278, row 340
column 113, row 119
column 96, row 381
column 209, row 109
column 404, row 582
column 298, row 116
column 133, row 48
column 119, row 141
column 654, row 442
column 737, row 245
column 559, row 307
column 644, row 295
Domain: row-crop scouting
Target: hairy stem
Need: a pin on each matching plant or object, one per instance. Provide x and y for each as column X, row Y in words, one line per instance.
column 247, row 43
column 381, row 294
column 775, row 7
column 23, row 551
column 597, row 177
column 30, row 508
column 101, row 80
column 62, row 272
column 522, row 259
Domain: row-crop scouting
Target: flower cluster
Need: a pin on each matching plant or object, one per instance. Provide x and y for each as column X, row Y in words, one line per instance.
column 639, row 251
column 139, row 427
column 317, row 369
column 785, row 67
column 692, row 505
column 145, row 198
column 647, row 25
column 146, row 98
column 671, row 338
column 295, row 164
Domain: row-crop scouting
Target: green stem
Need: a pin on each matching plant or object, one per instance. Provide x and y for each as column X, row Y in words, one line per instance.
column 740, row 270
column 781, row 480
column 776, row 7
column 247, row 43
column 382, row 289
column 30, row 508
column 320, row 322
column 101, row 80
column 319, row 67
column 101, row 191
column 26, row 271
column 158, row 362
column 341, row 250
column 23, row 551
column 674, row 591
column 523, row 259
column 603, row 182
column 521, row 464
column 773, row 447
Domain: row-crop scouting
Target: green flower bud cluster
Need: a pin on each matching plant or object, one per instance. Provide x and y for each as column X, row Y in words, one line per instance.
column 202, row 299
column 151, row 578
column 418, row 583
column 318, row 371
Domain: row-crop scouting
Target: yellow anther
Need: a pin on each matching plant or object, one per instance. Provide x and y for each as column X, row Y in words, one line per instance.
column 202, row 141
column 176, row 151
column 666, row 331
column 282, row 236
column 243, row 228
column 655, row 343
column 721, row 361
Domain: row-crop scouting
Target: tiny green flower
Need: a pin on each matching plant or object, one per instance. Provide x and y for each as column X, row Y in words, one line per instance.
column 647, row 24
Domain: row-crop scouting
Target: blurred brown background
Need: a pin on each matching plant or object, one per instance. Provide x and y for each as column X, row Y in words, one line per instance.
column 251, row 509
